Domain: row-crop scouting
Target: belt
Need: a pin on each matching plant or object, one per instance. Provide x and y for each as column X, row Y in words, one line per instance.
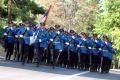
column 71, row 44
column 10, row 36
column 56, row 42
column 105, row 50
column 93, row 48
column 26, row 37
column 82, row 46
column 108, row 52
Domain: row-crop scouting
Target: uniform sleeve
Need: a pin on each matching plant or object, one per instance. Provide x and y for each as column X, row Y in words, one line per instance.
column 77, row 41
column 19, row 31
column 14, row 31
column 30, row 32
column 87, row 43
column 100, row 44
column 62, row 37
column 45, row 38
column 111, row 49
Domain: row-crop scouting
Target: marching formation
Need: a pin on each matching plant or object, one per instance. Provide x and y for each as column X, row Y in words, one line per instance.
column 55, row 46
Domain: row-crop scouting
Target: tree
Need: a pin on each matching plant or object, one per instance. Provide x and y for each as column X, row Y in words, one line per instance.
column 20, row 9
column 109, row 23
column 75, row 14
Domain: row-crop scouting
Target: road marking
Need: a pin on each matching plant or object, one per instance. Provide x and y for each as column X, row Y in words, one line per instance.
column 2, row 57
column 115, row 69
column 68, row 77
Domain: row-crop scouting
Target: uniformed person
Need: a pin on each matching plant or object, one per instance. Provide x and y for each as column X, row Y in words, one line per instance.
column 50, row 46
column 107, row 54
column 63, row 55
column 66, row 59
column 9, row 33
column 26, row 34
column 19, row 35
column 16, row 46
column 94, row 52
column 72, row 49
column 58, row 44
column 84, row 58
column 43, row 44
column 31, row 48
column 79, row 42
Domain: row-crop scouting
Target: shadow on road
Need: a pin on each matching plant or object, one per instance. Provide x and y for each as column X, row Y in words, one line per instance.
column 12, row 64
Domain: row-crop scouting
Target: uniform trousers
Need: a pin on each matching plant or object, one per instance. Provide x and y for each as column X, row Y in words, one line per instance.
column 10, row 47
column 84, row 61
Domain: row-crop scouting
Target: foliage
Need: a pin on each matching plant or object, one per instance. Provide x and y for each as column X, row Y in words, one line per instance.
column 21, row 9
column 73, row 14
column 109, row 23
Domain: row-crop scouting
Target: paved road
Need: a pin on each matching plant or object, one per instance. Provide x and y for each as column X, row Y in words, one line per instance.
column 10, row 70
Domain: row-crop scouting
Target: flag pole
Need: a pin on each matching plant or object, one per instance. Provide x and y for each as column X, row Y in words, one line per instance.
column 48, row 14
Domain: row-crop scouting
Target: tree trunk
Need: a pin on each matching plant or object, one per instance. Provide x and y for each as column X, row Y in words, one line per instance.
column 9, row 6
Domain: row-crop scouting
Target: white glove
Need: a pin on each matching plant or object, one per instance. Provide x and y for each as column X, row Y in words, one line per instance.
column 40, row 40
column 96, row 41
column 106, row 42
column 89, row 48
column 16, row 36
column 5, row 34
column 78, row 46
column 21, row 36
column 58, row 32
column 27, row 28
column 11, row 28
column 42, row 29
column 45, row 48
column 67, row 43
column 60, row 50
column 38, row 27
column 100, row 49
column 73, row 37
column 51, row 39
column 84, row 39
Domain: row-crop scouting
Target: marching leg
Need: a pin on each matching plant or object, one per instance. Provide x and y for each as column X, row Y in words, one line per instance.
column 102, row 65
column 40, row 56
column 78, row 60
column 58, row 58
column 11, row 50
column 52, row 58
column 25, row 54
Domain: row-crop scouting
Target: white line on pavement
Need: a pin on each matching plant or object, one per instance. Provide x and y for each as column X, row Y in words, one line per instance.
column 68, row 77
column 2, row 57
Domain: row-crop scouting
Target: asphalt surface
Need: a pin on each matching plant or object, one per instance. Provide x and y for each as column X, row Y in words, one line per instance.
column 11, row 70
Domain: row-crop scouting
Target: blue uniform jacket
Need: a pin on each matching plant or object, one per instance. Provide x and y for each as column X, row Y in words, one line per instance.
column 10, row 34
column 83, row 47
column 36, row 45
column 107, row 50
column 94, row 44
column 58, row 41
column 21, row 31
column 65, row 39
column 27, row 36
column 71, row 44
column 43, row 37
column 78, row 43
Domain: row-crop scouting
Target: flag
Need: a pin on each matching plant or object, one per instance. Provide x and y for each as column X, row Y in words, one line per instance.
column 44, row 18
column 42, row 21
column 34, row 37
